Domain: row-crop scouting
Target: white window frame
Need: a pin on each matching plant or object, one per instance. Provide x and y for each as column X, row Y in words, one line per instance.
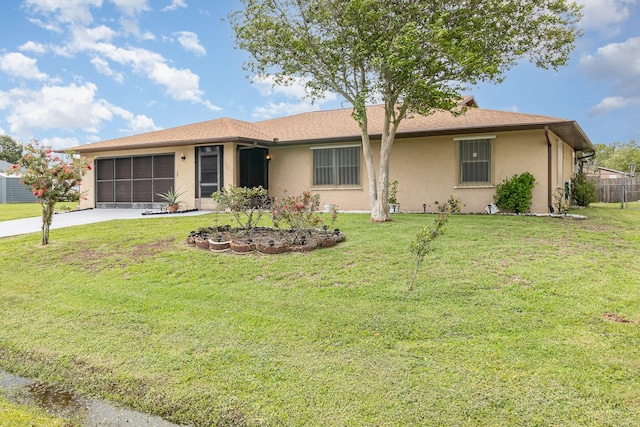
column 481, row 184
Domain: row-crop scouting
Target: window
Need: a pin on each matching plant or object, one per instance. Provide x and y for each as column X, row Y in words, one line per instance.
column 336, row 166
column 475, row 161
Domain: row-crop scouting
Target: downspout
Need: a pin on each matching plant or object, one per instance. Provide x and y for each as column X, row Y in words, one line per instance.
column 549, row 168
column 582, row 159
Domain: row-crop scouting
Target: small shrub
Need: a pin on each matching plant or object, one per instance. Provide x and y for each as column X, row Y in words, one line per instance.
column 583, row 190
column 453, row 205
column 297, row 213
column 515, row 193
column 560, row 201
column 245, row 204
column 421, row 244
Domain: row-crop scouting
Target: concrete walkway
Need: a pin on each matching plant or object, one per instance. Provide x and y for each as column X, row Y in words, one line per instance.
column 69, row 219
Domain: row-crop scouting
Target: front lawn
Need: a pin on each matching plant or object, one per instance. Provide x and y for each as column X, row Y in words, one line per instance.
column 513, row 321
column 9, row 211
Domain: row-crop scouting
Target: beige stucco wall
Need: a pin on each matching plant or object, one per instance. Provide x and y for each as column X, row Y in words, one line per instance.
column 427, row 171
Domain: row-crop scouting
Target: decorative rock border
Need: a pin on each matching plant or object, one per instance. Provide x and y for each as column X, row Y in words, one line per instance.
column 265, row 240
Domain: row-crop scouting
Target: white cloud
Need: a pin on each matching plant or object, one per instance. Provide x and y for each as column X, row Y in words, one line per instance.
column 2, row 132
column 18, row 65
column 175, row 4
column 181, row 84
column 620, row 64
column 612, row 103
column 59, row 143
column 296, row 90
column 46, row 25
column 605, row 16
column 130, row 27
column 281, row 109
column 189, row 41
column 131, row 7
column 64, row 11
column 137, row 123
column 34, row 47
column 142, row 123
column 66, row 108
column 103, row 68
column 55, row 107
column 267, row 87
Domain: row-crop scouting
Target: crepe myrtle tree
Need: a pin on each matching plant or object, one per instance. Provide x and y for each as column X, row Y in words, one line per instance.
column 413, row 56
column 53, row 178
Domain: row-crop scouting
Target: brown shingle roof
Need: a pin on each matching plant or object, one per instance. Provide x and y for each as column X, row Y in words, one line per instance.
column 338, row 125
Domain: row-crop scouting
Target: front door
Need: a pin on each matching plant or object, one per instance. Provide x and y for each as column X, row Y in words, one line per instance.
column 254, row 170
column 208, row 171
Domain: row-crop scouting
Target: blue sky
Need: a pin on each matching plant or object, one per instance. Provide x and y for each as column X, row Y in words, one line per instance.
column 78, row 71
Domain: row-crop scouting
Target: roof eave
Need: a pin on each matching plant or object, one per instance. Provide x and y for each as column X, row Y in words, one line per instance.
column 584, row 143
column 142, row 145
column 572, row 134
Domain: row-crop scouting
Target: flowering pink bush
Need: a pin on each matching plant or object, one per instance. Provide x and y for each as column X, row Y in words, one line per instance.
column 52, row 178
column 298, row 214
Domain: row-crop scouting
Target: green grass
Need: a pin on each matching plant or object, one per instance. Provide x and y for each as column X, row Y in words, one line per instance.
column 12, row 415
column 9, row 211
column 514, row 321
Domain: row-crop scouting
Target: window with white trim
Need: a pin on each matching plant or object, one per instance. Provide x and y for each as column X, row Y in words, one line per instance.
column 336, row 166
column 475, row 161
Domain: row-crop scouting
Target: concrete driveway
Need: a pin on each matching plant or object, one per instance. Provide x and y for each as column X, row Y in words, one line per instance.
column 69, row 219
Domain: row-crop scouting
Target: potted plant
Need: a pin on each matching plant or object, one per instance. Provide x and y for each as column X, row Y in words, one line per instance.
column 171, row 197
column 394, row 206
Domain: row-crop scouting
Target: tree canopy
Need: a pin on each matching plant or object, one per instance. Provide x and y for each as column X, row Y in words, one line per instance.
column 10, row 149
column 618, row 155
column 410, row 55
column 52, row 178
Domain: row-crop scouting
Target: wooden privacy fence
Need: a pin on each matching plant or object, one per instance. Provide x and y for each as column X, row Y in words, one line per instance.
column 610, row 190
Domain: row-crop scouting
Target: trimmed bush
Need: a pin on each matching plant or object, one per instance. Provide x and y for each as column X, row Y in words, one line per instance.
column 515, row 193
column 583, row 190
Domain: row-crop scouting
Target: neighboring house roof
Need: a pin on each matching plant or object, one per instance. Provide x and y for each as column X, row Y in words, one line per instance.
column 339, row 125
column 600, row 168
column 4, row 168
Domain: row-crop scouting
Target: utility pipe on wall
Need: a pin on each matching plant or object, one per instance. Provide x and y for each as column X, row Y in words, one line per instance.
column 549, row 169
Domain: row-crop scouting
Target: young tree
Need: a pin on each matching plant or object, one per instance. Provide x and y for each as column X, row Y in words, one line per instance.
column 411, row 55
column 52, row 178
column 10, row 150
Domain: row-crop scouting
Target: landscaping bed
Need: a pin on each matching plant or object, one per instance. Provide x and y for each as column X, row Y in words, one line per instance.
column 266, row 240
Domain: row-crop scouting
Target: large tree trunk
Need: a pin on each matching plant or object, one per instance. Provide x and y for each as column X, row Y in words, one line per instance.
column 379, row 188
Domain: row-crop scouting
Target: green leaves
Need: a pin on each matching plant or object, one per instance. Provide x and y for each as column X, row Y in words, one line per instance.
column 10, row 149
column 515, row 193
column 245, row 204
column 52, row 178
column 411, row 55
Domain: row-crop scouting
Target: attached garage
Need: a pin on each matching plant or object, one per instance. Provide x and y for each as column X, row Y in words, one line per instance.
column 134, row 181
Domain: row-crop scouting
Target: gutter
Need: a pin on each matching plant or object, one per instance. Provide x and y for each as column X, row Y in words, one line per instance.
column 549, row 168
column 582, row 159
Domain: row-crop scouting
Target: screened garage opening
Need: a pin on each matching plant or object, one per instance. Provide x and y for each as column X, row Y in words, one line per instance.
column 134, row 182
